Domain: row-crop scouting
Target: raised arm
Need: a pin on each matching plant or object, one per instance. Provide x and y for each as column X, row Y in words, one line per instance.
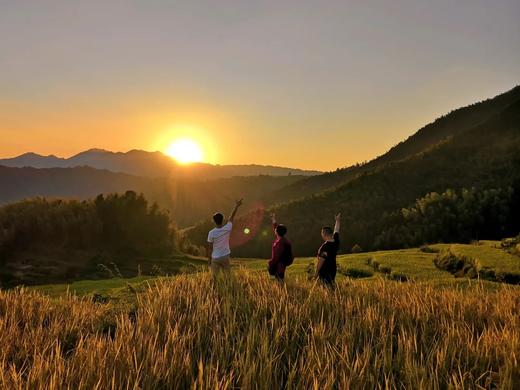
column 238, row 203
column 273, row 221
column 337, row 225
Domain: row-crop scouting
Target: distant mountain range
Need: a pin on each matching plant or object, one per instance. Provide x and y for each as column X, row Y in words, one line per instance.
column 147, row 164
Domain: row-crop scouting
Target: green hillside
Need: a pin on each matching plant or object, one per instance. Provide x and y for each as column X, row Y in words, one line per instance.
column 451, row 124
column 486, row 156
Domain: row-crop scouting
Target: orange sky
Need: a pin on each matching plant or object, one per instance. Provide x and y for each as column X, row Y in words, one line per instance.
column 307, row 84
column 228, row 135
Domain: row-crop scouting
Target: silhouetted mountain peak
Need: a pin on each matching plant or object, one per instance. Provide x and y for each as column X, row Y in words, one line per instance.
column 29, row 154
column 92, row 152
column 143, row 163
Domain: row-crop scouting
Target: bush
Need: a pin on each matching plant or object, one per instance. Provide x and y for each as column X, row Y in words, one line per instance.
column 355, row 273
column 508, row 242
column 463, row 266
column 508, row 277
column 487, row 274
column 385, row 269
column 397, row 276
column 357, row 249
column 373, row 263
column 455, row 264
column 428, row 249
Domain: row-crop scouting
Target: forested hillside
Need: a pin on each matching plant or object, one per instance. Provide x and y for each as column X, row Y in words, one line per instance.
column 483, row 157
column 453, row 123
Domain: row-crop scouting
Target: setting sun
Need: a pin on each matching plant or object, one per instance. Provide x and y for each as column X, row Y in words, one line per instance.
column 185, row 151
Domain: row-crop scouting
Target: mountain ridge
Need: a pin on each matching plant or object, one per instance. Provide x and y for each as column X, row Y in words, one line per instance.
column 457, row 120
column 151, row 164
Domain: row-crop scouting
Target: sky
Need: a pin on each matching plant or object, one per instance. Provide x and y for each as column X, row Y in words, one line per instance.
column 308, row 84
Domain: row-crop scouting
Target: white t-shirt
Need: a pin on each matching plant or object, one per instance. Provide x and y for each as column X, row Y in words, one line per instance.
column 220, row 239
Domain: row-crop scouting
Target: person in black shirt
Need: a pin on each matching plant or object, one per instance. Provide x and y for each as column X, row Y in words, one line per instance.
column 326, row 268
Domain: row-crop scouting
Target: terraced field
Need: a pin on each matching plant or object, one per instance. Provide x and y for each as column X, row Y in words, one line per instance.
column 414, row 264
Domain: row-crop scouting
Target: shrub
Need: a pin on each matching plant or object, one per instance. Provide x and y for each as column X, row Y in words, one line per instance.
column 508, row 277
column 458, row 265
column 355, row 273
column 105, row 271
column 487, row 274
column 357, row 249
column 463, row 266
column 428, row 249
column 157, row 270
column 398, row 276
column 372, row 262
column 508, row 242
column 385, row 269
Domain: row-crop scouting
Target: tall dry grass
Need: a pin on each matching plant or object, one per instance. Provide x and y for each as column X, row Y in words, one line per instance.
column 248, row 331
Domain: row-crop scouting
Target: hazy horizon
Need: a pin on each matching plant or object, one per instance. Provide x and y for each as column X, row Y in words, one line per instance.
column 138, row 150
column 300, row 84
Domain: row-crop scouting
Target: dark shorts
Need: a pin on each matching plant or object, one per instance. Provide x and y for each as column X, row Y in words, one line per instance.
column 277, row 270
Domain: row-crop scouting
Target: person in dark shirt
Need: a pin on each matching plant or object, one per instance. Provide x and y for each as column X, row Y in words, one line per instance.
column 326, row 268
column 281, row 256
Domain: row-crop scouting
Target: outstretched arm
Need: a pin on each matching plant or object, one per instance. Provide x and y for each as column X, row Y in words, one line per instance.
column 238, row 203
column 338, row 223
column 273, row 221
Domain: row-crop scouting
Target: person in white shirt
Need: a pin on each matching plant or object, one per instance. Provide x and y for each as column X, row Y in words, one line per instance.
column 217, row 248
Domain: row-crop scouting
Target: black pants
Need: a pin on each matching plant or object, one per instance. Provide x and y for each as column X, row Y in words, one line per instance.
column 327, row 280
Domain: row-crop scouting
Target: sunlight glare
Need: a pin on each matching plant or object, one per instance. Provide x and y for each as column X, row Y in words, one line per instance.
column 185, row 151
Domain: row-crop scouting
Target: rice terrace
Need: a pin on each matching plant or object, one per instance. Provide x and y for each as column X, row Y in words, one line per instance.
column 259, row 195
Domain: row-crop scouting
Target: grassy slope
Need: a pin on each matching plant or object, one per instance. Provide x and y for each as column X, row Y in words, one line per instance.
column 489, row 255
column 112, row 287
column 412, row 263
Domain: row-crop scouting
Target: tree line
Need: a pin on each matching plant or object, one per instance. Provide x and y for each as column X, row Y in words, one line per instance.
column 451, row 216
column 117, row 224
column 53, row 240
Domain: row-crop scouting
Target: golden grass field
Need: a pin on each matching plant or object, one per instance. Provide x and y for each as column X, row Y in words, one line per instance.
column 247, row 331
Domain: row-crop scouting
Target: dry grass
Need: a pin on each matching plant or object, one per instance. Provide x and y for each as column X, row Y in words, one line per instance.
column 248, row 331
